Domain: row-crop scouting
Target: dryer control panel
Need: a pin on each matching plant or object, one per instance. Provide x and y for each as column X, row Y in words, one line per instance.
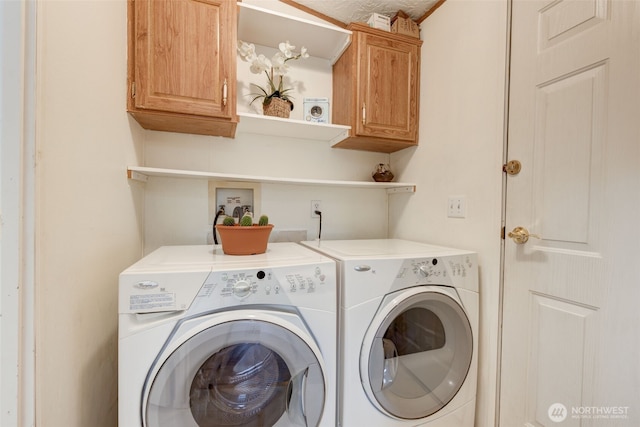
column 434, row 269
column 446, row 270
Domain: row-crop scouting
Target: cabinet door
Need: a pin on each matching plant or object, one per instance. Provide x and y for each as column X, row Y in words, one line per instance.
column 387, row 88
column 184, row 56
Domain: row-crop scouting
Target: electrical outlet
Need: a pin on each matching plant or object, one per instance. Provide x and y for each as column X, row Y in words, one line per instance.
column 457, row 207
column 316, row 205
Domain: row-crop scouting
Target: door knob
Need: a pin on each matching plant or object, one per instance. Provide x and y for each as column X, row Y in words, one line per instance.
column 521, row 235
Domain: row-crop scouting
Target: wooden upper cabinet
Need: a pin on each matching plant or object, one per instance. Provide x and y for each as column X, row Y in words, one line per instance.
column 376, row 87
column 182, row 65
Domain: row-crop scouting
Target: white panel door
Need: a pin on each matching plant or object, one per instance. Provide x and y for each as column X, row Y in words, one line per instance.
column 570, row 348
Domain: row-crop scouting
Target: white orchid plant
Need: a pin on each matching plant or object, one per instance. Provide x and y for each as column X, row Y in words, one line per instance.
column 274, row 68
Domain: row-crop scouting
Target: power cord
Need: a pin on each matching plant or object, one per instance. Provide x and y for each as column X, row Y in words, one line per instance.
column 215, row 221
column 319, row 213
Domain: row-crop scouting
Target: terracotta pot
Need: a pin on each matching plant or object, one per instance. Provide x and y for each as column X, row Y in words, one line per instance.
column 250, row 240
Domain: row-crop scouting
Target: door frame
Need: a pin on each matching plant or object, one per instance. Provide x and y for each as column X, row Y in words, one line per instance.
column 17, row 240
column 503, row 210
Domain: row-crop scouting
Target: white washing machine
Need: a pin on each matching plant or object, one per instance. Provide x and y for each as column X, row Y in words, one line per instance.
column 408, row 323
column 207, row 339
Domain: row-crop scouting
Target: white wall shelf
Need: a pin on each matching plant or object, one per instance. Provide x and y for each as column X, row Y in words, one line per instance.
column 267, row 125
column 141, row 173
column 269, row 28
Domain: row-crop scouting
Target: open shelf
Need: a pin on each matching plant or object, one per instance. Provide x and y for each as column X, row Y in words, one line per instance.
column 269, row 28
column 267, row 125
column 141, row 173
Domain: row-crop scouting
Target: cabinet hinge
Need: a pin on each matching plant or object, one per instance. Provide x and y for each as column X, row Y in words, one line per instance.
column 502, row 232
column 133, row 89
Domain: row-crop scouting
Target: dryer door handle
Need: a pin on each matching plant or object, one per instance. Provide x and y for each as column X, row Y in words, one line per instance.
column 383, row 364
column 390, row 369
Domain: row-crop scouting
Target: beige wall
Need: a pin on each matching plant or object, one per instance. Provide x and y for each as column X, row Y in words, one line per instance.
column 87, row 215
column 460, row 152
column 92, row 222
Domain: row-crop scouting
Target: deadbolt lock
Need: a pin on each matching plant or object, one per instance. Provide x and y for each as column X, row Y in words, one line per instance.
column 513, row 167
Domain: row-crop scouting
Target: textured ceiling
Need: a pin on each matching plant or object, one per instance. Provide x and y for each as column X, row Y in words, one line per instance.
column 359, row 10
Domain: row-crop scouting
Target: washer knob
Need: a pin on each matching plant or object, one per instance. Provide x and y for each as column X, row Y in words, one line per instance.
column 241, row 288
column 424, row 270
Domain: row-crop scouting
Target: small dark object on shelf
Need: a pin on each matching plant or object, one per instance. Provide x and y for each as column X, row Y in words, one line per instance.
column 382, row 173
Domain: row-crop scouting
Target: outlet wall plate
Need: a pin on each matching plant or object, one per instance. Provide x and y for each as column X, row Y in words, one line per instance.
column 316, row 205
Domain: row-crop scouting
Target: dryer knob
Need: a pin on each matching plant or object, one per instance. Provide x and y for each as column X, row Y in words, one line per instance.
column 241, row 288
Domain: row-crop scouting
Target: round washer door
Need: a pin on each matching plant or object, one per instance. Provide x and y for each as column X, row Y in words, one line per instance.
column 416, row 353
column 246, row 372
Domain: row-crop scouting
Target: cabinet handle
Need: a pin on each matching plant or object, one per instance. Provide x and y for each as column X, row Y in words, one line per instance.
column 224, row 93
column 364, row 113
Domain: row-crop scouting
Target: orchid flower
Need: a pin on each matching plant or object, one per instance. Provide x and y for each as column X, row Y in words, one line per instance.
column 246, row 50
column 277, row 66
column 286, row 48
column 260, row 64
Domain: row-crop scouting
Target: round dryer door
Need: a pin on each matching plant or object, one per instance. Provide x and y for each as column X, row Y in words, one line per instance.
column 247, row 372
column 416, row 353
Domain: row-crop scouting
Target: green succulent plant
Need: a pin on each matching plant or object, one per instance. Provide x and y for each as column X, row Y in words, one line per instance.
column 229, row 221
column 246, row 221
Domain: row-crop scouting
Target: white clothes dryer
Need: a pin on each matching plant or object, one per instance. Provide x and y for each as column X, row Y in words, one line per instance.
column 208, row 339
column 408, row 328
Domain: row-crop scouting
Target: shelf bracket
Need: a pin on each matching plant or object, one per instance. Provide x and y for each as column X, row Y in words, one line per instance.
column 407, row 189
column 341, row 137
column 137, row 176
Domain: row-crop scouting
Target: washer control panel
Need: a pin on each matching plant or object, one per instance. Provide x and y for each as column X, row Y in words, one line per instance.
column 299, row 285
column 265, row 282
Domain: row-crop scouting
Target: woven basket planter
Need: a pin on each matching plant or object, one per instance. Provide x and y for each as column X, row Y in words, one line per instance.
column 249, row 240
column 277, row 107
